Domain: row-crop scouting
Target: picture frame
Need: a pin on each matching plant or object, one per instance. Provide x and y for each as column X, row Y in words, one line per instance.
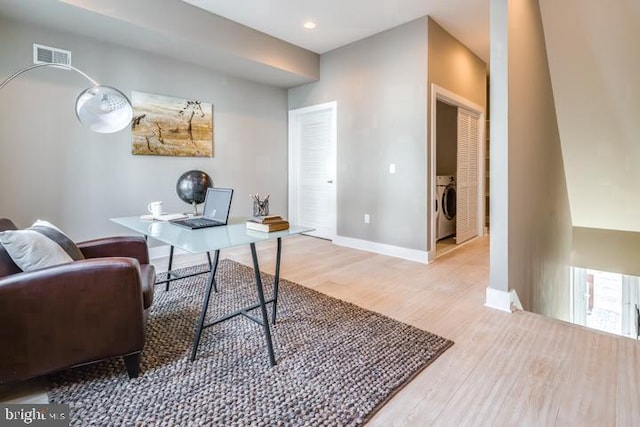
column 168, row 126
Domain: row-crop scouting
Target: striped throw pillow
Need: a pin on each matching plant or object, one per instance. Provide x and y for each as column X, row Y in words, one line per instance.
column 39, row 246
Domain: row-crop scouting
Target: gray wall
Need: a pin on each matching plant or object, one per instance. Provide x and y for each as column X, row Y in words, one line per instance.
column 499, row 147
column 379, row 84
column 538, row 219
column 382, row 85
column 53, row 168
column 447, row 139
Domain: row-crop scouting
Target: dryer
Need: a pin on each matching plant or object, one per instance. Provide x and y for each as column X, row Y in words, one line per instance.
column 445, row 206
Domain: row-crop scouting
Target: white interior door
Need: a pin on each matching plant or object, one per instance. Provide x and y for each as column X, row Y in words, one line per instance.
column 312, row 168
column 467, row 178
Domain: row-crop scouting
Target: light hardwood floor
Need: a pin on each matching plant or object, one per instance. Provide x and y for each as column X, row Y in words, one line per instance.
column 519, row 369
column 505, row 369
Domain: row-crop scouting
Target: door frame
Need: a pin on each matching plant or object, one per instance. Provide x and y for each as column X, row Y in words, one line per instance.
column 441, row 94
column 293, row 143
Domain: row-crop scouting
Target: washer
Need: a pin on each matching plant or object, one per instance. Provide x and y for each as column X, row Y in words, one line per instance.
column 445, row 206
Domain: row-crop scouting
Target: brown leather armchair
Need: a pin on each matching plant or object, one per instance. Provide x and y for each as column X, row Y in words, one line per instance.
column 76, row 313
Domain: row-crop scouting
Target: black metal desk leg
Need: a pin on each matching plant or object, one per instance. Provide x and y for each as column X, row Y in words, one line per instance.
column 209, row 259
column 203, row 313
column 166, row 286
column 214, row 267
column 263, row 306
column 276, row 283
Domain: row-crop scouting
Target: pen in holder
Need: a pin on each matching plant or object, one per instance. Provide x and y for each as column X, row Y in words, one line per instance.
column 260, row 206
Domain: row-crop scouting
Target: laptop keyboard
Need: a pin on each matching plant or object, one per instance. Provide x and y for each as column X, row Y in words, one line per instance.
column 198, row 222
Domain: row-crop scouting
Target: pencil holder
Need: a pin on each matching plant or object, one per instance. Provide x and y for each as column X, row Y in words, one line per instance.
column 261, row 207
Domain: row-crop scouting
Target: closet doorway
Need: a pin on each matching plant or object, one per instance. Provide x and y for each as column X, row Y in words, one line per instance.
column 457, row 171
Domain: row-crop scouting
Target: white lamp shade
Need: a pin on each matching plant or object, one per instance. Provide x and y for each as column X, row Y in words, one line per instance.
column 104, row 109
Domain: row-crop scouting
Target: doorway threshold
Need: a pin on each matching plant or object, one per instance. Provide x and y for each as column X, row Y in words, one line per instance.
column 445, row 245
column 448, row 245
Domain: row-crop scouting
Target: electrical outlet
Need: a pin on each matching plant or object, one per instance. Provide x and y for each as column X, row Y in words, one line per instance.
column 367, row 218
column 392, row 168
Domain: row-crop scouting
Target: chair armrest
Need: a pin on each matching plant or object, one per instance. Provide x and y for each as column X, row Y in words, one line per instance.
column 69, row 314
column 122, row 246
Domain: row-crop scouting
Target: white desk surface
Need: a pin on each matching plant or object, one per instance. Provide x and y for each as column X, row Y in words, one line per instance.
column 204, row 239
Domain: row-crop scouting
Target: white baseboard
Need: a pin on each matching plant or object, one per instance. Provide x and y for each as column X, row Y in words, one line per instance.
column 498, row 300
column 503, row 301
column 382, row 249
column 515, row 301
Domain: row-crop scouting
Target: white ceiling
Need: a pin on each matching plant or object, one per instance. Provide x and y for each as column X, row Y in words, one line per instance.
column 173, row 29
column 340, row 22
column 259, row 40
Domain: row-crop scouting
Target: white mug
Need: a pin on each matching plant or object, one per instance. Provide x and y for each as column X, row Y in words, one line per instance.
column 155, row 208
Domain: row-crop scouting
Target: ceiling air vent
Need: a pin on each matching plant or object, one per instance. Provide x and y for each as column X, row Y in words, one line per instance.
column 50, row 55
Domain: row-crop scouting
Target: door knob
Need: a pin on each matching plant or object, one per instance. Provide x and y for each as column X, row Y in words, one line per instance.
column 330, row 181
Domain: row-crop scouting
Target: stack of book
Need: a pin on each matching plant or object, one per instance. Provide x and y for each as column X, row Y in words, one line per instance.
column 267, row 223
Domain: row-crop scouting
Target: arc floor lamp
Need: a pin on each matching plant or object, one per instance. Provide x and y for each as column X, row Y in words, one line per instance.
column 103, row 109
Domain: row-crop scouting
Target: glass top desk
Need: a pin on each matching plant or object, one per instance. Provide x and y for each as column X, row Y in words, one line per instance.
column 213, row 239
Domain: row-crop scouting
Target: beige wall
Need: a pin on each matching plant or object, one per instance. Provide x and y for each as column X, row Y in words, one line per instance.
column 594, row 58
column 535, row 237
column 454, row 67
column 606, row 250
column 53, row 168
column 447, row 139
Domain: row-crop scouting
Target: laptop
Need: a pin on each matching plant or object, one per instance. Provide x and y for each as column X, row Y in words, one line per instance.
column 217, row 204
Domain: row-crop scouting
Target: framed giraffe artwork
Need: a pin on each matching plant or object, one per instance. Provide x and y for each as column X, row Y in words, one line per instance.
column 167, row 126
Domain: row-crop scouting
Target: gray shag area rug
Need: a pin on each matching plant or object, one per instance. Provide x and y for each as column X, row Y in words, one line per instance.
column 337, row 363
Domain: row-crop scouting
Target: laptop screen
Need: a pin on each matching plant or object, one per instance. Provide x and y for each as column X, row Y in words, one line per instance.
column 217, row 203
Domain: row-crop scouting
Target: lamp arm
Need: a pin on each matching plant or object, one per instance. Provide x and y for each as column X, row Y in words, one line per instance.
column 47, row 64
